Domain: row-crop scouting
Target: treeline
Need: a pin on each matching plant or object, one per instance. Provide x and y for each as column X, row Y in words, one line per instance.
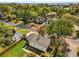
column 28, row 12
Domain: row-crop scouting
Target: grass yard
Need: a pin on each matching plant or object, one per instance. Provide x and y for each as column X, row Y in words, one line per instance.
column 6, row 26
column 14, row 21
column 17, row 22
column 16, row 51
column 9, row 27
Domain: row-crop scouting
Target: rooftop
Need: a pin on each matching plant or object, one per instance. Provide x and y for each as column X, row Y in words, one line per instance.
column 37, row 41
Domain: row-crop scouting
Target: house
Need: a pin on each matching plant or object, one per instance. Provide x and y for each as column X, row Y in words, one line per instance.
column 52, row 14
column 37, row 41
column 9, row 23
column 76, row 27
column 19, row 26
column 1, row 14
column 40, row 20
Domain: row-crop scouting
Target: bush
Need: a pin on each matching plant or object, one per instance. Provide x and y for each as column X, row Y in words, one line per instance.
column 2, row 43
column 78, row 52
column 77, row 34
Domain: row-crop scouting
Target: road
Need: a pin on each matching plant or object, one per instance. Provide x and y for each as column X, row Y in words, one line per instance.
column 73, row 47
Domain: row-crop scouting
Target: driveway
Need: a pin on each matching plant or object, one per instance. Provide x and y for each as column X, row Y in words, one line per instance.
column 73, row 47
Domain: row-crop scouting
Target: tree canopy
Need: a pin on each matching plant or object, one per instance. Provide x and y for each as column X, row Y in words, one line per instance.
column 60, row 27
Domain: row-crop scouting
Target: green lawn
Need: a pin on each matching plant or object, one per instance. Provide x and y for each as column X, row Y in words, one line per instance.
column 14, row 21
column 22, row 31
column 16, row 51
column 6, row 26
column 9, row 27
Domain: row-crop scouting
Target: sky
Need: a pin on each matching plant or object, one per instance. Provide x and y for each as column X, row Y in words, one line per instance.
column 39, row 1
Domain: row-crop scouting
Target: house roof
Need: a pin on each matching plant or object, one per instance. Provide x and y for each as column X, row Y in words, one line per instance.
column 10, row 23
column 52, row 13
column 37, row 41
column 76, row 27
column 17, row 36
column 21, row 26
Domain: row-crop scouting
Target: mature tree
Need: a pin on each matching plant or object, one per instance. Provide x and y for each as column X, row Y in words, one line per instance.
column 6, row 9
column 44, row 11
column 59, row 48
column 59, row 28
column 42, row 29
column 73, row 9
column 74, row 19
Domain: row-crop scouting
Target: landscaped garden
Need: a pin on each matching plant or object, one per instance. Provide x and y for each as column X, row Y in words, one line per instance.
column 16, row 51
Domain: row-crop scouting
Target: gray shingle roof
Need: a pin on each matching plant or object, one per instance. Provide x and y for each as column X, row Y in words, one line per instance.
column 38, row 41
column 17, row 36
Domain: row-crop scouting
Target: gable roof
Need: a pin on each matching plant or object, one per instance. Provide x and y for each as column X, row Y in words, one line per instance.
column 37, row 41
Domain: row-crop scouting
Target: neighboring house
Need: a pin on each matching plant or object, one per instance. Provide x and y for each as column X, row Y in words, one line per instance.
column 40, row 20
column 1, row 14
column 51, row 15
column 17, row 36
column 76, row 27
column 19, row 26
column 37, row 41
column 9, row 23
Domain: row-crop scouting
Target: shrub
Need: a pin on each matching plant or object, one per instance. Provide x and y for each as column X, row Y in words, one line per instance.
column 77, row 34
column 78, row 51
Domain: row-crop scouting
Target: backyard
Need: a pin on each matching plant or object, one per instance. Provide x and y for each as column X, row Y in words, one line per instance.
column 16, row 51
